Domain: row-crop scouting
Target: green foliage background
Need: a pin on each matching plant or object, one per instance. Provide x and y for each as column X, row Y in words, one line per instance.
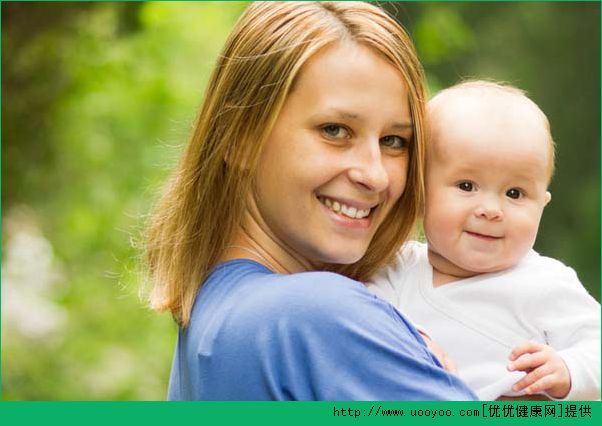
column 97, row 100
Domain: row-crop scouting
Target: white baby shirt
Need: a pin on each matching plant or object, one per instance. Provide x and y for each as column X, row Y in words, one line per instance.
column 478, row 320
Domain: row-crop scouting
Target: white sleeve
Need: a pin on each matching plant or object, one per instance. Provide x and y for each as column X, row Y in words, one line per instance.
column 384, row 282
column 570, row 320
column 389, row 281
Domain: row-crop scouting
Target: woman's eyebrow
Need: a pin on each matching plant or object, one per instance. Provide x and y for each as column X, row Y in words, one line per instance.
column 348, row 115
column 344, row 114
column 403, row 125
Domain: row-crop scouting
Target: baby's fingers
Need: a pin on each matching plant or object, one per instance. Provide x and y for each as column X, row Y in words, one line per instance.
column 528, row 361
column 537, row 380
column 541, row 385
column 528, row 347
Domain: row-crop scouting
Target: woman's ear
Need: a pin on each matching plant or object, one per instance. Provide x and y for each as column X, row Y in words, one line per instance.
column 547, row 198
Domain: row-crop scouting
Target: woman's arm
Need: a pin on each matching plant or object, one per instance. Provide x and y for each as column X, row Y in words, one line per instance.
column 326, row 337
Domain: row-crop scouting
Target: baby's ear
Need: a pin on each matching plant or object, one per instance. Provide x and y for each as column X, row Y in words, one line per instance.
column 547, row 198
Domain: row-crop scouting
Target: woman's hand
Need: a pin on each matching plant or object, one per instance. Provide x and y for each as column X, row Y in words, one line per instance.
column 439, row 353
column 546, row 371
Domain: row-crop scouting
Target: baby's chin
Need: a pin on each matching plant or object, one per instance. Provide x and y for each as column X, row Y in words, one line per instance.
column 473, row 267
column 468, row 266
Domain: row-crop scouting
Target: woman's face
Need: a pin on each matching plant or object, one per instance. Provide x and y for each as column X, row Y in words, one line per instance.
column 337, row 158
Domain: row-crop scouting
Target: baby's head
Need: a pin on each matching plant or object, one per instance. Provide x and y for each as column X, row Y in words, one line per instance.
column 490, row 160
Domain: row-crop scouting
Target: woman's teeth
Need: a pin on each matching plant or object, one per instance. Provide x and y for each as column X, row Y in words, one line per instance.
column 344, row 209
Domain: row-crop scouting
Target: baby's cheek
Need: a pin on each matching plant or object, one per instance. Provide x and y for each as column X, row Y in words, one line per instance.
column 517, row 247
column 439, row 234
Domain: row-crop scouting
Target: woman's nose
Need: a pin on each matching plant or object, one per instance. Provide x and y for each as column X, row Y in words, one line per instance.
column 368, row 169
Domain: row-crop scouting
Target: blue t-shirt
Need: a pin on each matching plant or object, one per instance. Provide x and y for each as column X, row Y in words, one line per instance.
column 257, row 335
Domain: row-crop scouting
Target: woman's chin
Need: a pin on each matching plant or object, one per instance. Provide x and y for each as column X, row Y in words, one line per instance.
column 345, row 256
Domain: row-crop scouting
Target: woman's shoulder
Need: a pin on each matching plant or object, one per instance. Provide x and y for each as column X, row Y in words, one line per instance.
column 315, row 293
column 307, row 298
column 244, row 297
column 325, row 283
column 301, row 329
column 247, row 283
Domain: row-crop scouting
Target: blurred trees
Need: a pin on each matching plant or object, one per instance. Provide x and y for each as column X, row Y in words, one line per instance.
column 98, row 99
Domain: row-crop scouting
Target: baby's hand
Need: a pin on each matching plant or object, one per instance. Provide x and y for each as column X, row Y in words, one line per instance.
column 546, row 371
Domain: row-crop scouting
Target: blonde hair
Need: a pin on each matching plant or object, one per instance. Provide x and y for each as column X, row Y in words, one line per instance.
column 204, row 200
column 496, row 88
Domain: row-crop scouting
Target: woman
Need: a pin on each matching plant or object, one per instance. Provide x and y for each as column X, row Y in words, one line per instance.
column 306, row 156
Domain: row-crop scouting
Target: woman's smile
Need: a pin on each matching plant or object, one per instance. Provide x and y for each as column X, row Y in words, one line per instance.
column 350, row 214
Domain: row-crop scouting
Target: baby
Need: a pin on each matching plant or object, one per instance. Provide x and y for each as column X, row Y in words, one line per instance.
column 514, row 322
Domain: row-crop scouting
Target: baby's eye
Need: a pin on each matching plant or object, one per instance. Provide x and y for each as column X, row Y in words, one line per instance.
column 334, row 131
column 466, row 186
column 394, row 141
column 514, row 193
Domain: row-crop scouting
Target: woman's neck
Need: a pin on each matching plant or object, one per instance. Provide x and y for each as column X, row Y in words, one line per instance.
column 444, row 271
column 253, row 241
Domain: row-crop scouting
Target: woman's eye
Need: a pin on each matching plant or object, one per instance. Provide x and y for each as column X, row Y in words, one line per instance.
column 334, row 131
column 514, row 193
column 466, row 186
column 393, row 141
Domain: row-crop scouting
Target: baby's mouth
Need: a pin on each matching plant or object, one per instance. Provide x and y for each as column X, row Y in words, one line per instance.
column 483, row 236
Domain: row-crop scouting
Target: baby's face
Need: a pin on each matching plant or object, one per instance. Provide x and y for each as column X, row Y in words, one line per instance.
column 487, row 176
